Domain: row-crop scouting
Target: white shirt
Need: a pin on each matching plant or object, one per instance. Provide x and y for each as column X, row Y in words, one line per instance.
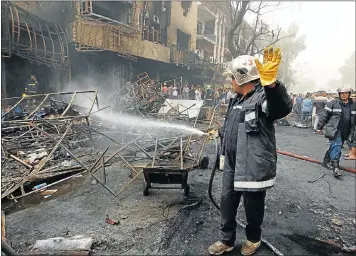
column 197, row 95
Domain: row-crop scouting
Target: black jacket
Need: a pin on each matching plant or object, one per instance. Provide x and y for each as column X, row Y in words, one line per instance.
column 256, row 154
column 331, row 117
column 320, row 103
column 31, row 87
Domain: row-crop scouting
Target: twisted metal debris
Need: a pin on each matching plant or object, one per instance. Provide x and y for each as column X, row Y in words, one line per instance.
column 54, row 134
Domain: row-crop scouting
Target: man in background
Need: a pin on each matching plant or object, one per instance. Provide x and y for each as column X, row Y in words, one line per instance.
column 32, row 86
column 186, row 92
column 338, row 117
column 307, row 108
column 170, row 92
column 299, row 101
column 165, row 89
column 209, row 96
column 319, row 104
column 192, row 93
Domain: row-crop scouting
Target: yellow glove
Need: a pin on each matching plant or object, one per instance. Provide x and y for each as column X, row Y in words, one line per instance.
column 269, row 69
column 24, row 95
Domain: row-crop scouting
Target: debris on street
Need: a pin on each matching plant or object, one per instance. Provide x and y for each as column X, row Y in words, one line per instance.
column 48, row 137
column 36, row 139
column 337, row 222
column 76, row 245
column 111, row 221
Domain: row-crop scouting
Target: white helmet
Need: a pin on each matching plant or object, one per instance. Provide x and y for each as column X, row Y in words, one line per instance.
column 344, row 88
column 243, row 69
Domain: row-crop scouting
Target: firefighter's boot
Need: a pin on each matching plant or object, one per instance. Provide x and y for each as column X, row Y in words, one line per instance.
column 249, row 248
column 219, row 248
column 326, row 161
column 336, row 169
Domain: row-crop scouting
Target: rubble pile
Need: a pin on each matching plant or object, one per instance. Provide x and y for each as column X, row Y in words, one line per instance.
column 141, row 97
column 37, row 133
column 51, row 135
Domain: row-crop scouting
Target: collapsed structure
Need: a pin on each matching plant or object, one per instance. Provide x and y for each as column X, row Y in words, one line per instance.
column 52, row 137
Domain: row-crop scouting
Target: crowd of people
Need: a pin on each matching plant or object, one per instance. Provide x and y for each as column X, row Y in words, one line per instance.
column 309, row 107
column 196, row 92
column 332, row 114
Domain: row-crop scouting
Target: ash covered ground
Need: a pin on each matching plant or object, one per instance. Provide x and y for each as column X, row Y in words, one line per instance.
column 166, row 222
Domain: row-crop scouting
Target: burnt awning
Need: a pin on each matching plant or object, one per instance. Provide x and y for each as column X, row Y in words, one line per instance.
column 32, row 38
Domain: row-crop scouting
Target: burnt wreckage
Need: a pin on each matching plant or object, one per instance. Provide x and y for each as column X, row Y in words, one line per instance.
column 60, row 135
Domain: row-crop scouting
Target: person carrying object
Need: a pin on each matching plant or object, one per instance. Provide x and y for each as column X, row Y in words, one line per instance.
column 249, row 146
column 339, row 119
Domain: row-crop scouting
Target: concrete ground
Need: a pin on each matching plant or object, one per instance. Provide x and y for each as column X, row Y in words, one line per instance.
column 166, row 222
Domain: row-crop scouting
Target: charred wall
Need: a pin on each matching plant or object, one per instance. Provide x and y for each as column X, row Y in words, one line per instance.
column 183, row 18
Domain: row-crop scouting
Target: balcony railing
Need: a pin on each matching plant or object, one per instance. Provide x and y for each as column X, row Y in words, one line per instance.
column 204, row 35
column 211, row 37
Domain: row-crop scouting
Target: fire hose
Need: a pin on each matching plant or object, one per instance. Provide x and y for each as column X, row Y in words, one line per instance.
column 311, row 160
column 269, row 245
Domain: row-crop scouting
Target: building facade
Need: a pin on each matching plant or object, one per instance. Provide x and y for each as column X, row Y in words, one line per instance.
column 117, row 39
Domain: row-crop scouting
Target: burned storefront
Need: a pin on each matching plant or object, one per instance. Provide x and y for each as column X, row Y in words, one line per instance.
column 31, row 46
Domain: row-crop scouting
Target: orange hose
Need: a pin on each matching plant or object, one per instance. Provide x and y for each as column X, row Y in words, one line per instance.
column 347, row 169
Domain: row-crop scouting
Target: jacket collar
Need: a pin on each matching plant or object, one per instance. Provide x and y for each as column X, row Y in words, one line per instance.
column 340, row 101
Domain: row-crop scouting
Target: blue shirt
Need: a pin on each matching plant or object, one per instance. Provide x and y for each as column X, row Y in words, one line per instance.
column 307, row 105
column 299, row 99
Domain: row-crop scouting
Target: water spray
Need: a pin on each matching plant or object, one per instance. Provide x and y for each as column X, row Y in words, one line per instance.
column 139, row 122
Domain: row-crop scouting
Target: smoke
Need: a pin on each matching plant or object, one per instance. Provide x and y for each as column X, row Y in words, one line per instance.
column 108, row 78
column 105, row 77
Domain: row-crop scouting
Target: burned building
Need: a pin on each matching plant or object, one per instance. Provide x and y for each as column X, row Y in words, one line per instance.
column 103, row 44
column 32, row 46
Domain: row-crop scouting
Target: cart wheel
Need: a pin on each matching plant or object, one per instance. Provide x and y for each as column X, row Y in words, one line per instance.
column 204, row 163
column 145, row 191
column 186, row 190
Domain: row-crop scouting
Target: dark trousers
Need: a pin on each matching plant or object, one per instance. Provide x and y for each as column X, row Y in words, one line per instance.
column 254, row 203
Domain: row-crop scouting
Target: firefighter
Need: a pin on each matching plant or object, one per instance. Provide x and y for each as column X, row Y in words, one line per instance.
column 249, row 146
column 32, row 86
column 338, row 117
